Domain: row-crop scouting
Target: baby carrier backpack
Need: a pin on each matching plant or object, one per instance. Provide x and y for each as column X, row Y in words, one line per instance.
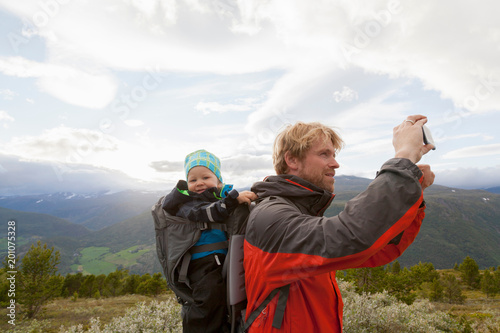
column 175, row 239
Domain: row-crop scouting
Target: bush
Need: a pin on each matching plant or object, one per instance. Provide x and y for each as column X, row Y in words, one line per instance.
column 153, row 317
column 380, row 312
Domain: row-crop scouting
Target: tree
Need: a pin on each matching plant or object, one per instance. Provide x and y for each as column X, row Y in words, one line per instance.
column 488, row 284
column 399, row 285
column 88, row 288
column 469, row 271
column 72, row 284
column 38, row 282
column 153, row 286
column 99, row 283
column 396, row 267
column 437, row 290
column 423, row 272
column 452, row 292
column 114, row 282
column 131, row 284
column 367, row 279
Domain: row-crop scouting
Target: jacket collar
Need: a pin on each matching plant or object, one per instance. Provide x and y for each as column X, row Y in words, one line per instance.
column 308, row 197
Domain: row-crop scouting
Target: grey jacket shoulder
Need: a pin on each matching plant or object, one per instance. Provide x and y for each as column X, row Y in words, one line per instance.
column 277, row 226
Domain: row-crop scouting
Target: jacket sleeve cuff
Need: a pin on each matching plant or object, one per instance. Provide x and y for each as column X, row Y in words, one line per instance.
column 231, row 200
column 179, row 195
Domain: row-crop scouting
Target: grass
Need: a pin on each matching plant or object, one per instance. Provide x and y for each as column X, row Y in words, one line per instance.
column 99, row 260
column 67, row 312
column 477, row 308
column 91, row 261
column 126, row 257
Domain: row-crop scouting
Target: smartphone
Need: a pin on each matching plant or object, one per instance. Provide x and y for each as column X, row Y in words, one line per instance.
column 428, row 136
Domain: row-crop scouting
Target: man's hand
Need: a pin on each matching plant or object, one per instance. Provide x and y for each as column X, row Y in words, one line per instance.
column 429, row 176
column 408, row 139
column 246, row 197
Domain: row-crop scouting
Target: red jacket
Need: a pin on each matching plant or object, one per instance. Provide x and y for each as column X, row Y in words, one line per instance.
column 290, row 242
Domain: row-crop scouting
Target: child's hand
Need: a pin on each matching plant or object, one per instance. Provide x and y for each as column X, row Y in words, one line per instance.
column 246, row 197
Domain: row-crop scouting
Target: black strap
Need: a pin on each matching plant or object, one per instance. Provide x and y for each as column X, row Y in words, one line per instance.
column 280, row 308
column 208, row 247
column 211, row 225
column 184, row 267
column 197, row 249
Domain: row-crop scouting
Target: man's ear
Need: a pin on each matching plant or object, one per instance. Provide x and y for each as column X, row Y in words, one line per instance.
column 291, row 162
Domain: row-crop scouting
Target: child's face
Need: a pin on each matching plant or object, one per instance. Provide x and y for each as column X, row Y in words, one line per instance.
column 200, row 178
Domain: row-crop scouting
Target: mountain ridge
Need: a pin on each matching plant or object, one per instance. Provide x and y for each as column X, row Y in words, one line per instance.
column 458, row 223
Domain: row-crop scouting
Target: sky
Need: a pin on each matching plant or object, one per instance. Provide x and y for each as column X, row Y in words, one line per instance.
column 114, row 94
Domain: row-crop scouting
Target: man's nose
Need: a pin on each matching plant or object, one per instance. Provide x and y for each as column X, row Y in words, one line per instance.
column 333, row 163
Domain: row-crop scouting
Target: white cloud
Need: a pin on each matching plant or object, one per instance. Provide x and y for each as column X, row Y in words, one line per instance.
column 368, row 114
column 288, row 91
column 386, row 37
column 458, row 61
column 482, row 136
column 346, row 94
column 306, row 51
column 69, row 84
column 469, row 178
column 4, row 116
column 21, row 177
column 63, row 144
column 7, row 94
column 210, row 107
column 474, row 151
column 133, row 122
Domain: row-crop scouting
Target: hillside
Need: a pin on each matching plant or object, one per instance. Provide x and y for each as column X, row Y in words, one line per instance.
column 134, row 235
column 494, row 189
column 30, row 227
column 94, row 211
column 459, row 223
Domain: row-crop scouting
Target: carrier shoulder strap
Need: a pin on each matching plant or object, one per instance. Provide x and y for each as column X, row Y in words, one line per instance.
column 278, row 314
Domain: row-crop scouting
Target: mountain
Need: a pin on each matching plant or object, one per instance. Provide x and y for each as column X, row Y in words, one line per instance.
column 494, row 189
column 458, row 223
column 94, row 211
column 31, row 227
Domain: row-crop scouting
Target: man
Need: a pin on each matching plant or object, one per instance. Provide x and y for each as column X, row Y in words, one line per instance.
column 290, row 243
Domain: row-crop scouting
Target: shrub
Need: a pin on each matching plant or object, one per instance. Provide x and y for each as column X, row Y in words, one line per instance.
column 381, row 312
column 153, row 317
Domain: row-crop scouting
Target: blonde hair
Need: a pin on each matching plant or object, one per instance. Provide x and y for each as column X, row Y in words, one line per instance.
column 298, row 139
